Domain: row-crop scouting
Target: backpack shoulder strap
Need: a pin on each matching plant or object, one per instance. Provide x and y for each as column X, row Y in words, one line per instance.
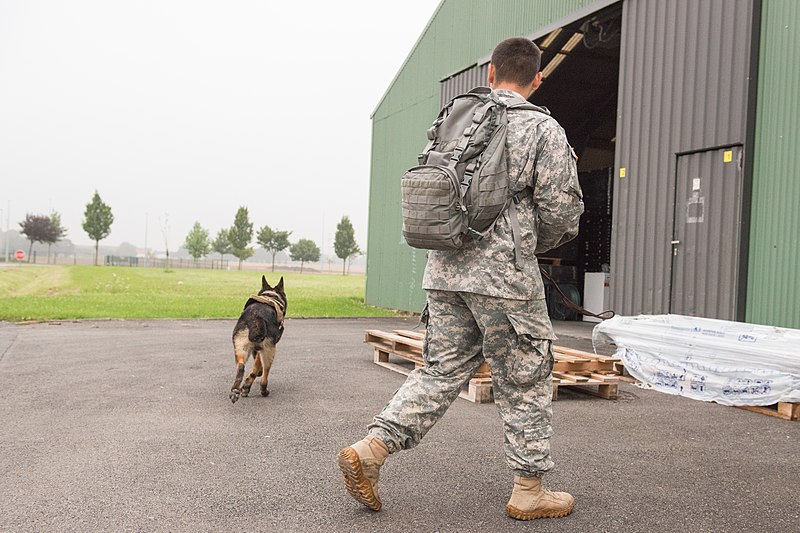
column 482, row 91
column 519, row 103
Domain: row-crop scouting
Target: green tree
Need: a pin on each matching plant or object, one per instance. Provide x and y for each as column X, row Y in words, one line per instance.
column 221, row 245
column 273, row 241
column 97, row 220
column 304, row 250
column 197, row 243
column 240, row 235
column 59, row 231
column 344, row 243
column 37, row 228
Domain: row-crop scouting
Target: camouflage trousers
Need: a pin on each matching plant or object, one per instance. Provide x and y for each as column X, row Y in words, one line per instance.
column 463, row 330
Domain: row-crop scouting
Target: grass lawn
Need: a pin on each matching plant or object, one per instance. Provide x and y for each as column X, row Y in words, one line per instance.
column 74, row 291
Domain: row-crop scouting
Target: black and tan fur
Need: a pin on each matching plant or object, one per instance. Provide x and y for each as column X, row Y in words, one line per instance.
column 258, row 330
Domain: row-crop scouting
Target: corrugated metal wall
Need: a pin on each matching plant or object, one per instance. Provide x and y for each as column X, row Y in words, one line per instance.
column 683, row 86
column 774, row 289
column 686, row 84
column 460, row 32
column 462, row 82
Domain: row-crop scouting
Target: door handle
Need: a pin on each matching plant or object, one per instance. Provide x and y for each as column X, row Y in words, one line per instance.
column 675, row 247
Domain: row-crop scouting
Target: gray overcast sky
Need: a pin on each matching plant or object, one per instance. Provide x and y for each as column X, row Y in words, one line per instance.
column 178, row 111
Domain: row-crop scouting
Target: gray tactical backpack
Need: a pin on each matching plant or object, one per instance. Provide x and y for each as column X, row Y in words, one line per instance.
column 461, row 185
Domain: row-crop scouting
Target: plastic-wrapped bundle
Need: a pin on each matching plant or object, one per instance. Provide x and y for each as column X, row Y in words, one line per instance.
column 731, row 363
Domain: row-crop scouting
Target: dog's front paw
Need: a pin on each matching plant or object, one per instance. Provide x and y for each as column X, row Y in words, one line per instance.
column 234, row 395
column 245, row 392
column 264, row 392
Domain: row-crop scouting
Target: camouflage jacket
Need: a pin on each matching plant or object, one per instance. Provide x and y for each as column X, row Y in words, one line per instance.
column 548, row 218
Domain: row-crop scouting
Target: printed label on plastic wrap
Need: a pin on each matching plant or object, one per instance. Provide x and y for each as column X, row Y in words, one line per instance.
column 731, row 363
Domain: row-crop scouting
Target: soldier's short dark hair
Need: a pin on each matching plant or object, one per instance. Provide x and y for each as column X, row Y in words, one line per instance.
column 516, row 60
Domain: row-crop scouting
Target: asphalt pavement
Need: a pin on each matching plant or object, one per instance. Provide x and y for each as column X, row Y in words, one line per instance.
column 127, row 426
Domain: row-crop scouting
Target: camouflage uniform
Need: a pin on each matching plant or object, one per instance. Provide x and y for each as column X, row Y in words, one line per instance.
column 483, row 306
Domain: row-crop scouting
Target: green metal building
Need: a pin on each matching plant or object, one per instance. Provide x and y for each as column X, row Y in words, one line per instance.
column 685, row 117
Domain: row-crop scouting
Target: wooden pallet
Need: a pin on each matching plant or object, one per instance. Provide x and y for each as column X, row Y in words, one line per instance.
column 607, row 384
column 784, row 410
column 586, row 372
column 407, row 345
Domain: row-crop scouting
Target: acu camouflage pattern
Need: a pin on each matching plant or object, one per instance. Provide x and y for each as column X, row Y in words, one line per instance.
column 538, row 153
column 481, row 307
column 464, row 329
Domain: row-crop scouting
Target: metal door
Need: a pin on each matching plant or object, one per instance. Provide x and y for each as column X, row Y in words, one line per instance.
column 707, row 233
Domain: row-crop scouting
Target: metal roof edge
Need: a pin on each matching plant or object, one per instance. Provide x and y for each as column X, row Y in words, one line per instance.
column 405, row 62
column 563, row 21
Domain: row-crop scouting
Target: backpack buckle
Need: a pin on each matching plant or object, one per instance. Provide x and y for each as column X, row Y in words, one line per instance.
column 457, row 153
column 524, row 193
column 477, row 235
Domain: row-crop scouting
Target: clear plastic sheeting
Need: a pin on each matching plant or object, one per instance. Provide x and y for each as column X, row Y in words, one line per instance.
column 731, row 363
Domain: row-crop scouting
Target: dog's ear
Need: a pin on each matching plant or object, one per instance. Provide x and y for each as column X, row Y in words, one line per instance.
column 264, row 284
column 279, row 286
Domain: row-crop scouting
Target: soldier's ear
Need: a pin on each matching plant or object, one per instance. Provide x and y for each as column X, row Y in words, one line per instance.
column 537, row 81
column 264, row 284
column 279, row 286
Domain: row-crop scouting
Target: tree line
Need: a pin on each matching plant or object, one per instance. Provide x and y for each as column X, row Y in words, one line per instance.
column 47, row 229
column 235, row 240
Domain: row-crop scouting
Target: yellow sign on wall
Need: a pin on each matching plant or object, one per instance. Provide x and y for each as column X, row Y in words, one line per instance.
column 727, row 156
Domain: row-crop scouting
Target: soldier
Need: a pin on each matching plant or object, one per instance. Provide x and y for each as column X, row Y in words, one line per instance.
column 485, row 305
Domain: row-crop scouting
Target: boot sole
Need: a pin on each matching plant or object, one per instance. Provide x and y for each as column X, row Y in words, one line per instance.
column 513, row 512
column 355, row 481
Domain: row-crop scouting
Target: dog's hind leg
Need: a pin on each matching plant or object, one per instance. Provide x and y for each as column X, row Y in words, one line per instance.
column 252, row 376
column 241, row 351
column 267, row 355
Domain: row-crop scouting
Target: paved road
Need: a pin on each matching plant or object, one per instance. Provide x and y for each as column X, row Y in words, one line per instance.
column 127, row 426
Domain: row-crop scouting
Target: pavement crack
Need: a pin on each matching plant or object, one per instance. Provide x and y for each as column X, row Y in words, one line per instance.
column 7, row 348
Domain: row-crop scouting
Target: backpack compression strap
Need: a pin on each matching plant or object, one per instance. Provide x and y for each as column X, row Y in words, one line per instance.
column 477, row 118
column 432, row 133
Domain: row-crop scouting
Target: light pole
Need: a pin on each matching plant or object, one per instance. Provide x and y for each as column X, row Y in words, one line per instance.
column 165, row 231
column 8, row 227
column 145, row 238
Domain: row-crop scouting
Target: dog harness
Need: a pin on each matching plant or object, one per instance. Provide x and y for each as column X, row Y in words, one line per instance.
column 271, row 298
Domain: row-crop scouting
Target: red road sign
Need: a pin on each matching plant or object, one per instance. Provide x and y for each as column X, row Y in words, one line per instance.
column 19, row 255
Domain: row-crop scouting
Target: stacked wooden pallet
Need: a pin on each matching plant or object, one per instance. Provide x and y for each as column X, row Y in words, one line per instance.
column 575, row 367
column 784, row 410
column 594, row 374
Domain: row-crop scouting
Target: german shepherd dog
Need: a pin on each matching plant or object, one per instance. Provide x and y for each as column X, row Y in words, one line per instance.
column 258, row 330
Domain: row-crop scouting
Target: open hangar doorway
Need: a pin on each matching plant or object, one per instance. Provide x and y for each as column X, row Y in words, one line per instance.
column 580, row 87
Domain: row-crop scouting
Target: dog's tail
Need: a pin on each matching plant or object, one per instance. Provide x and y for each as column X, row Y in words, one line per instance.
column 256, row 330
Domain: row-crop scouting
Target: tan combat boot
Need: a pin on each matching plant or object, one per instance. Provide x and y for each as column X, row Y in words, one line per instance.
column 360, row 464
column 529, row 500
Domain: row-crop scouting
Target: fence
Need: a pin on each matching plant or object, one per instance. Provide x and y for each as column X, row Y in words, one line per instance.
column 212, row 264
column 326, row 266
